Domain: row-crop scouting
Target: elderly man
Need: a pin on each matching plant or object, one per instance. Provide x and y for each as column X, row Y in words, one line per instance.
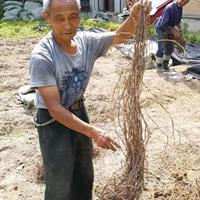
column 168, row 27
column 60, row 68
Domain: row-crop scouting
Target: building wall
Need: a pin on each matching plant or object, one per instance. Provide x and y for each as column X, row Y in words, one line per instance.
column 94, row 5
column 191, row 15
column 193, row 23
column 192, row 8
column 119, row 5
column 191, row 12
column 110, row 5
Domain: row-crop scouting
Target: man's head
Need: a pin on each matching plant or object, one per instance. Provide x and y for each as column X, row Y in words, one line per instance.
column 182, row 3
column 63, row 16
column 47, row 4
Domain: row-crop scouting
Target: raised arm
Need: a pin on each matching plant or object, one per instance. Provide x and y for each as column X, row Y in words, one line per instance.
column 129, row 26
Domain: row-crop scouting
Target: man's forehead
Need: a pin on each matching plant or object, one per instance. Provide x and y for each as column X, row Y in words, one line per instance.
column 60, row 7
column 67, row 3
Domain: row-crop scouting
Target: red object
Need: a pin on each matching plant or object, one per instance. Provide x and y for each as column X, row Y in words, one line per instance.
column 158, row 11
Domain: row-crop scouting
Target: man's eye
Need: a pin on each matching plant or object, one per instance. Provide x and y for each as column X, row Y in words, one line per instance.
column 73, row 17
column 60, row 19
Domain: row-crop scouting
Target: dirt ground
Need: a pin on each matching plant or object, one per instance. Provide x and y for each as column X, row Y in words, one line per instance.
column 170, row 109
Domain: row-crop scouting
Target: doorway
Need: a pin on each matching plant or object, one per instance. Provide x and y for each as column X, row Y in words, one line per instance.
column 85, row 5
column 109, row 5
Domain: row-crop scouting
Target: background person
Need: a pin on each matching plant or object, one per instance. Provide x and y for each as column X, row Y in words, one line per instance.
column 168, row 27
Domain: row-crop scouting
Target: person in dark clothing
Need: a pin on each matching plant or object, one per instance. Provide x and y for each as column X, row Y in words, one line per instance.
column 168, row 27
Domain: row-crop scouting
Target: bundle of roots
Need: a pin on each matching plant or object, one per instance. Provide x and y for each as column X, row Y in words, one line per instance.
column 129, row 185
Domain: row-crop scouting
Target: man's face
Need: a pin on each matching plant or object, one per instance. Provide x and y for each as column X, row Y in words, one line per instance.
column 181, row 3
column 64, row 18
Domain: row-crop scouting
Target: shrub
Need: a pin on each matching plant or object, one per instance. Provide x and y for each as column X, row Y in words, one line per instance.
column 21, row 29
column 152, row 31
column 92, row 23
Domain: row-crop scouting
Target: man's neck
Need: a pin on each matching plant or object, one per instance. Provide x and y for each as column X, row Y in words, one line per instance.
column 68, row 46
column 178, row 5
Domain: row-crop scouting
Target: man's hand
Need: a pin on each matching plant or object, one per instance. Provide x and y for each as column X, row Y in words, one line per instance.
column 130, row 4
column 129, row 26
column 176, row 33
column 104, row 141
column 137, row 7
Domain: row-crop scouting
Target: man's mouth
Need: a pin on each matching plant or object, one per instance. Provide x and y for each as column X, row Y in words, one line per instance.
column 67, row 33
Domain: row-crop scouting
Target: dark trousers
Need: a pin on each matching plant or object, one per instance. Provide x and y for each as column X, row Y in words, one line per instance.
column 67, row 159
column 164, row 47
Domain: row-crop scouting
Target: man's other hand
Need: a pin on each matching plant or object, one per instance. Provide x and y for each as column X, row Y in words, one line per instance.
column 104, row 141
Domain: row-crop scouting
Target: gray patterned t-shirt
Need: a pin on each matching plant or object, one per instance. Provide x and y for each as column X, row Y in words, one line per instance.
column 50, row 65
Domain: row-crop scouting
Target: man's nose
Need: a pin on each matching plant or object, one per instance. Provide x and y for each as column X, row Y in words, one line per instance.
column 67, row 25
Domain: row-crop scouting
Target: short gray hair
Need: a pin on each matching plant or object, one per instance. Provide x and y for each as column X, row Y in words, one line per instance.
column 47, row 4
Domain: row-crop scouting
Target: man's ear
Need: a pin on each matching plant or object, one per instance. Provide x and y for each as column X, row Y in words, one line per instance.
column 46, row 17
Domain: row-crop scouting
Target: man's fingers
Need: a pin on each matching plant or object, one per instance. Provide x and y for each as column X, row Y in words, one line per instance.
column 112, row 144
column 115, row 143
column 136, row 8
column 112, row 148
column 107, row 142
column 147, row 5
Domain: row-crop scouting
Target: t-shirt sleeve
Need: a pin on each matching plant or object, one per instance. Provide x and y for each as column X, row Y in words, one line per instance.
column 165, row 20
column 41, row 72
column 100, row 42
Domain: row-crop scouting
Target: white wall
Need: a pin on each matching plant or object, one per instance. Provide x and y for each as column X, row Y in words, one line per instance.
column 94, row 5
column 193, row 24
column 101, row 5
column 117, row 6
column 123, row 4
